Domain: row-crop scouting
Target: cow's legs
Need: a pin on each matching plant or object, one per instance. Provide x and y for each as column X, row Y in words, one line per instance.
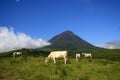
column 54, row 60
column 77, row 59
column 65, row 60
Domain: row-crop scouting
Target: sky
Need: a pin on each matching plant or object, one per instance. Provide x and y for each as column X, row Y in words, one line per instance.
column 31, row 23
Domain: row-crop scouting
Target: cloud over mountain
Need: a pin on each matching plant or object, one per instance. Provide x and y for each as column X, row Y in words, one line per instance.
column 111, row 45
column 9, row 40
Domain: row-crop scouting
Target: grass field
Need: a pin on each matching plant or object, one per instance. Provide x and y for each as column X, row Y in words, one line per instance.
column 34, row 68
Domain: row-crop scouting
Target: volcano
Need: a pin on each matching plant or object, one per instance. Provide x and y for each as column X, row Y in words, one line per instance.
column 67, row 40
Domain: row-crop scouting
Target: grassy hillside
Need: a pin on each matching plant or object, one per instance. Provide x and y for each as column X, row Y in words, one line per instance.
column 34, row 68
column 26, row 52
column 113, row 54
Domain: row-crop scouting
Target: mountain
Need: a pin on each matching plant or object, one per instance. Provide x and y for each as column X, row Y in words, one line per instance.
column 67, row 40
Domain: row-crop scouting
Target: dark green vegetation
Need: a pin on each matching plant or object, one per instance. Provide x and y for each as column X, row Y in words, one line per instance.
column 111, row 54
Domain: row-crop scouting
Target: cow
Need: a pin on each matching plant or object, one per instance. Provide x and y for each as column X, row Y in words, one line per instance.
column 87, row 55
column 15, row 54
column 77, row 57
column 57, row 54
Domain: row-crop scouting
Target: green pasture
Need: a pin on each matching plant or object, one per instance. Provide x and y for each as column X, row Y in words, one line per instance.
column 113, row 54
column 34, row 68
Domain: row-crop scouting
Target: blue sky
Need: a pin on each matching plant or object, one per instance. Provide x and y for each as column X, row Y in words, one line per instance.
column 96, row 21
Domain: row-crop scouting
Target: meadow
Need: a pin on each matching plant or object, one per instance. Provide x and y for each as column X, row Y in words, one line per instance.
column 34, row 68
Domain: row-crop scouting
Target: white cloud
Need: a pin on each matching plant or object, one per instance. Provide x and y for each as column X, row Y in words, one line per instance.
column 111, row 45
column 9, row 40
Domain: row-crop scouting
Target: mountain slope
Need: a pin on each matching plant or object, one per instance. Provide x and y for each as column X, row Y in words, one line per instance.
column 67, row 40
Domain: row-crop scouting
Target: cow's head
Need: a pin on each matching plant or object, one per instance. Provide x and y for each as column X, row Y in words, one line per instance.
column 46, row 59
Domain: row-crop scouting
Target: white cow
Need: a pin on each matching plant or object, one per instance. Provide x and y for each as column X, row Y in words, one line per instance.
column 15, row 54
column 77, row 57
column 57, row 54
column 87, row 55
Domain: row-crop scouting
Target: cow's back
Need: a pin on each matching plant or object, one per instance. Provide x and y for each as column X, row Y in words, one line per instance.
column 58, row 54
